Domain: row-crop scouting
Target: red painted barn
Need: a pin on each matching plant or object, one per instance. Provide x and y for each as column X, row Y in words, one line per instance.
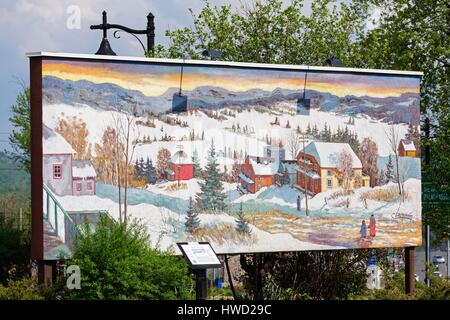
column 181, row 167
column 257, row 172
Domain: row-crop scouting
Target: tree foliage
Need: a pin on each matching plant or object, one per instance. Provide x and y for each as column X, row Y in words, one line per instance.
column 211, row 195
column 192, row 220
column 74, row 131
column 368, row 153
column 116, row 262
column 332, row 274
column 15, row 249
column 20, row 138
column 242, row 226
column 21, row 289
column 270, row 32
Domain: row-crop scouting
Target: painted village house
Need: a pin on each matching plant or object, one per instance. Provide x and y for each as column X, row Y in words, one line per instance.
column 61, row 173
column 406, row 148
column 318, row 167
column 258, row 172
column 181, row 167
column 83, row 176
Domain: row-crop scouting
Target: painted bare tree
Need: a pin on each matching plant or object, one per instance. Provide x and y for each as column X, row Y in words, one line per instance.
column 393, row 138
column 127, row 130
column 346, row 168
column 293, row 144
column 117, row 146
column 162, row 162
column 368, row 153
column 75, row 131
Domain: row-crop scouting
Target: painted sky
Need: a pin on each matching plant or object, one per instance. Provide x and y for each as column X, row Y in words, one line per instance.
column 154, row 80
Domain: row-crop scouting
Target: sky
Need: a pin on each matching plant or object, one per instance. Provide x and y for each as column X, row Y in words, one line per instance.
column 155, row 80
column 63, row 26
column 49, row 25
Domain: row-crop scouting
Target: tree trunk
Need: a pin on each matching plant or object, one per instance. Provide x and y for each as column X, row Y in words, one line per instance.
column 125, row 210
column 400, row 191
column 118, row 176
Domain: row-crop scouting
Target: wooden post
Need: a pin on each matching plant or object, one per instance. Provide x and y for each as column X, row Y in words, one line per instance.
column 409, row 270
column 46, row 272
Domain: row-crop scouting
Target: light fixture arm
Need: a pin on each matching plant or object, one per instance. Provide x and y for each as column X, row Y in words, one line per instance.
column 105, row 48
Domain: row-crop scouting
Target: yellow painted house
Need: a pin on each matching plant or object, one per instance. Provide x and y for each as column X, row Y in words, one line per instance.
column 318, row 167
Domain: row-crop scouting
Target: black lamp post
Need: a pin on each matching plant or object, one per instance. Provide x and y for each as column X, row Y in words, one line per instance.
column 105, row 47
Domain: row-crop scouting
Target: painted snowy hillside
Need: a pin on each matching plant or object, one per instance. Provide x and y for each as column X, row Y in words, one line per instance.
column 232, row 156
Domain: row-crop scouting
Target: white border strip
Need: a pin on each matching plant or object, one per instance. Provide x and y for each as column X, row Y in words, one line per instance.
column 219, row 63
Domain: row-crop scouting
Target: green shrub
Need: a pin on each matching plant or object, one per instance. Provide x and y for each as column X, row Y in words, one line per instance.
column 116, row 262
column 15, row 251
column 22, row 289
column 395, row 289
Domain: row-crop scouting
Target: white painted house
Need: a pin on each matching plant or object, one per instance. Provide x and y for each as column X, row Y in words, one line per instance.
column 61, row 173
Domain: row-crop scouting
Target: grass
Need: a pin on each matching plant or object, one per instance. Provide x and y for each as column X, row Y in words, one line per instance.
column 221, row 233
column 175, row 186
column 340, row 193
column 383, row 194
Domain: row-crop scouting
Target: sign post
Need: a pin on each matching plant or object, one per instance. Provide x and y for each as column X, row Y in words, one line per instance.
column 200, row 257
column 409, row 270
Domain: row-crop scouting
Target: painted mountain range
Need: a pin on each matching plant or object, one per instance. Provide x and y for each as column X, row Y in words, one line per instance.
column 107, row 96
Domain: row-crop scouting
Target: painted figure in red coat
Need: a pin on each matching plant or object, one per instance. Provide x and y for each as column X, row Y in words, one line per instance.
column 372, row 226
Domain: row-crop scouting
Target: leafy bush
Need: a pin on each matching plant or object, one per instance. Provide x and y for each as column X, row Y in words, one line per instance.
column 116, row 262
column 22, row 289
column 14, row 251
column 395, row 288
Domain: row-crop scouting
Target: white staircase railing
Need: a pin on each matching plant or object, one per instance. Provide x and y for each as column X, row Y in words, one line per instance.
column 58, row 218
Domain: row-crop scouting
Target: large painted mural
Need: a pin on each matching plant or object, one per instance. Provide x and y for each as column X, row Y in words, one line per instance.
column 250, row 159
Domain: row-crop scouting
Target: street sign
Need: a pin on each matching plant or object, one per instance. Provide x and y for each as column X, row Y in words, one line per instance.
column 372, row 261
column 432, row 194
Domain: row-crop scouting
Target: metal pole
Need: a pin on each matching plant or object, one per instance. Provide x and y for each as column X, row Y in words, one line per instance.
column 409, row 270
column 201, row 285
column 427, row 253
column 104, row 24
column 448, row 257
column 150, row 32
column 20, row 219
column 427, row 227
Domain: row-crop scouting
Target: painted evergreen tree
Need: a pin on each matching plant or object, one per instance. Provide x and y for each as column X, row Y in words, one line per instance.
column 242, row 225
column 315, row 131
column 382, row 178
column 211, row 196
column 141, row 168
column 308, row 129
column 150, row 172
column 137, row 170
column 195, row 161
column 192, row 220
column 389, row 177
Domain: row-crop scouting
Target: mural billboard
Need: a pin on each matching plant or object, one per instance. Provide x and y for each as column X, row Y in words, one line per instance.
column 252, row 158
